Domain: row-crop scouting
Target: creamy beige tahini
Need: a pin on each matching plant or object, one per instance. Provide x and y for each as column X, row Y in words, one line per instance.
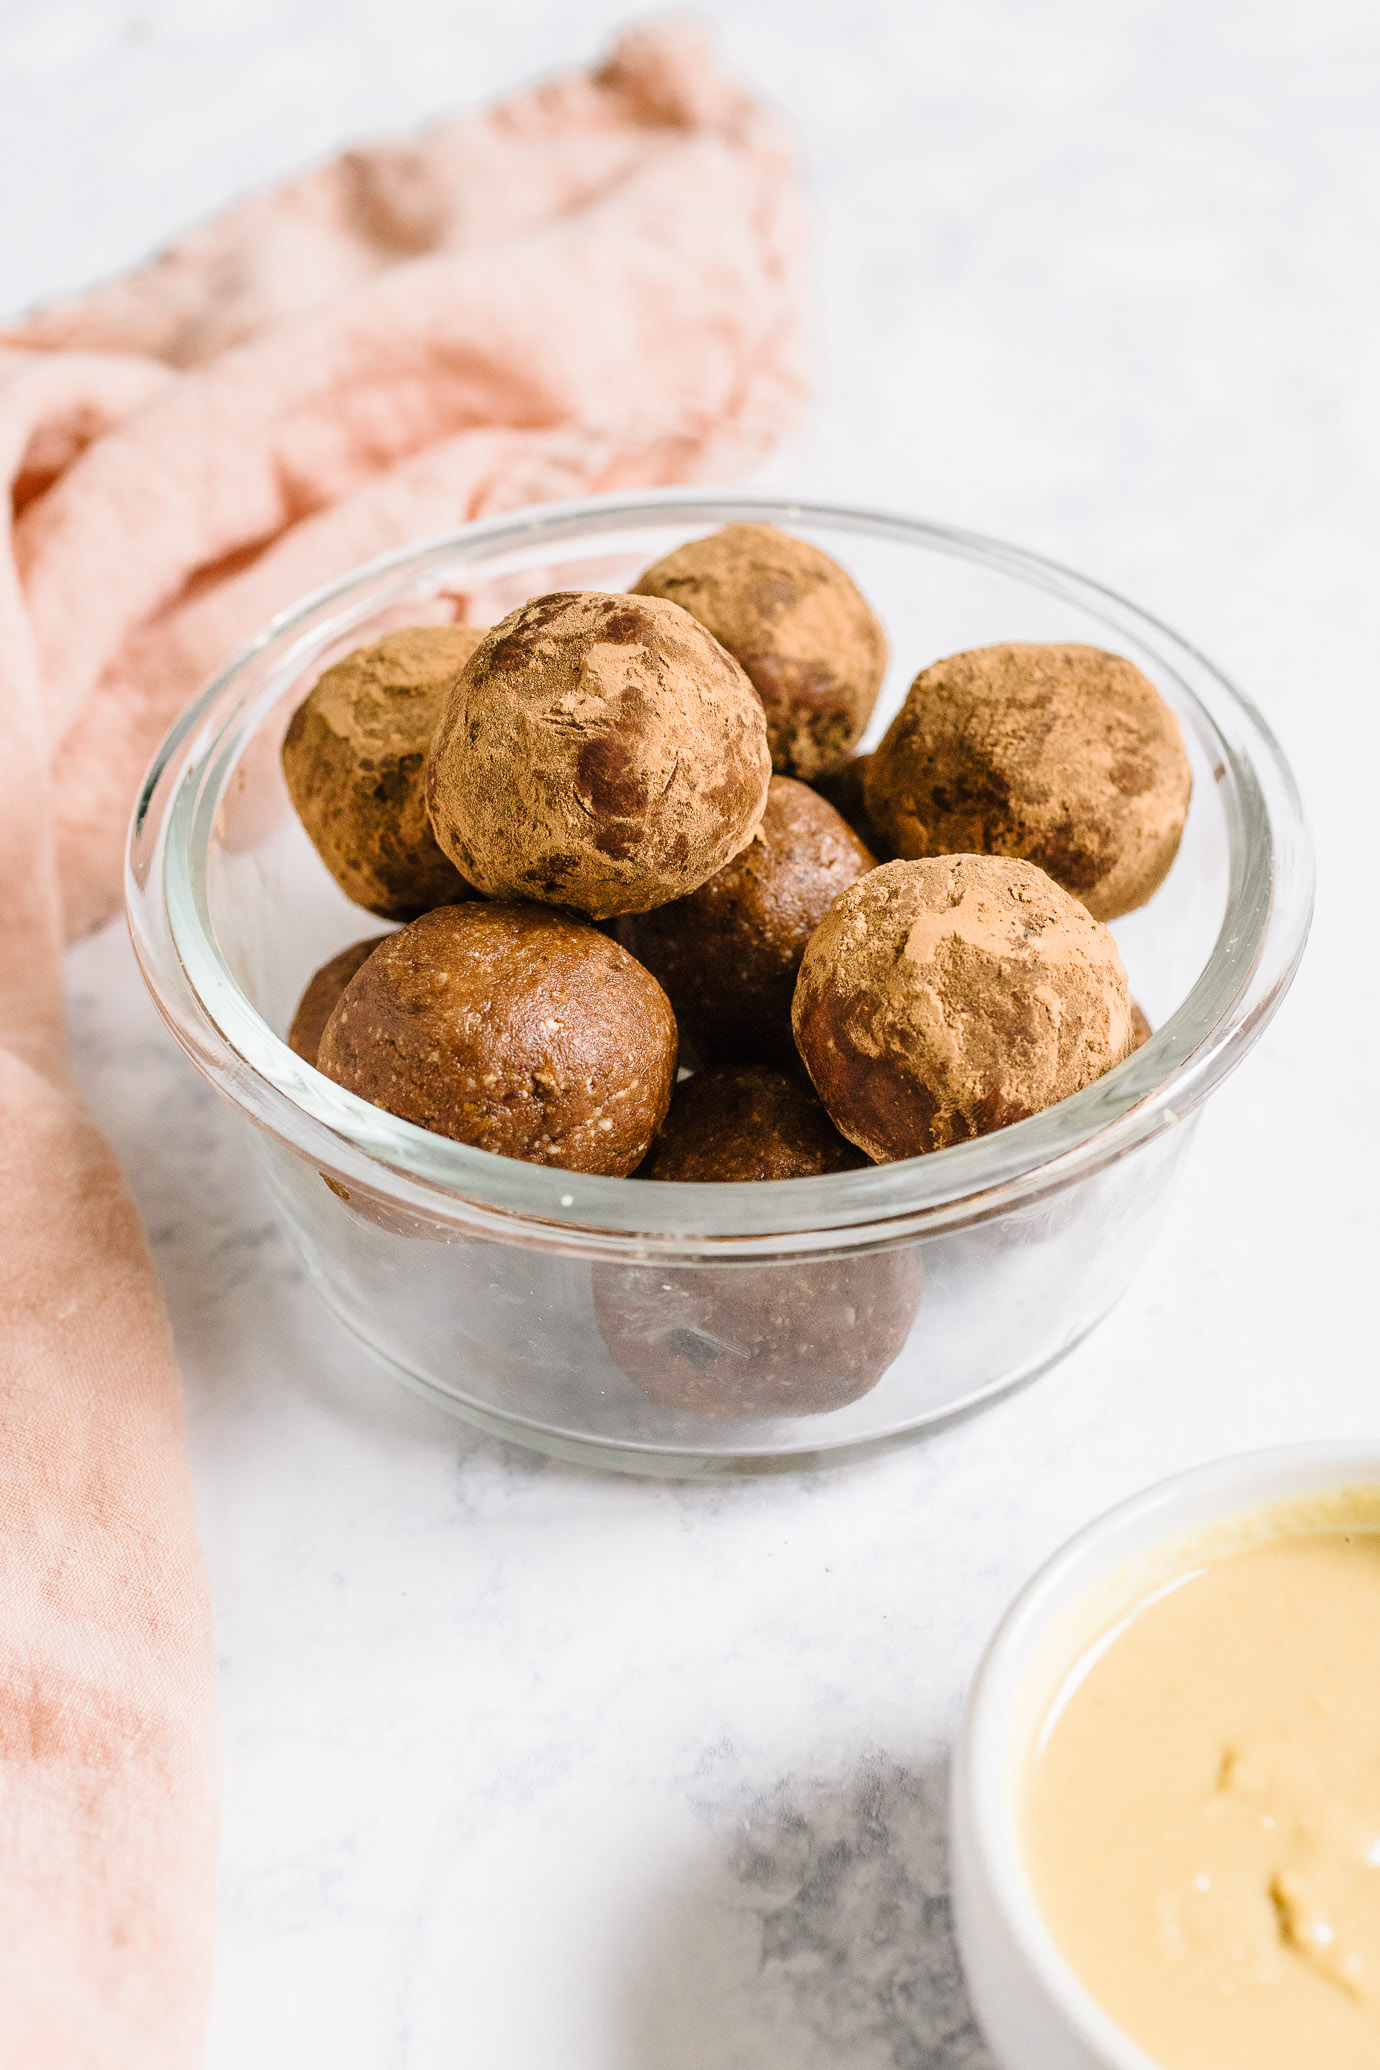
column 1202, row 1813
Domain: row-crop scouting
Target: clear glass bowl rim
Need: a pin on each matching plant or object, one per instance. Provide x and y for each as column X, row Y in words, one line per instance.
column 1264, row 928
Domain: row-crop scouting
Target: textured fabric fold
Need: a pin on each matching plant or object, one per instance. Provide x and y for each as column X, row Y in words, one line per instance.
column 596, row 284
column 606, row 269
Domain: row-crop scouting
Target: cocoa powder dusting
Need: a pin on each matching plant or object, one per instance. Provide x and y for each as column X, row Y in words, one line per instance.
column 600, row 752
column 814, row 649
column 355, row 757
column 942, row 999
column 1065, row 756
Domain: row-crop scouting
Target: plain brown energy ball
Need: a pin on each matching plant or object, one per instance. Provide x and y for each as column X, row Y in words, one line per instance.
column 355, row 762
column 845, row 788
column 942, row 999
column 747, row 1122
column 314, row 1009
column 597, row 751
column 1065, row 756
column 794, row 618
column 322, row 996
column 755, row 1339
column 797, row 1338
column 519, row 1030
column 728, row 954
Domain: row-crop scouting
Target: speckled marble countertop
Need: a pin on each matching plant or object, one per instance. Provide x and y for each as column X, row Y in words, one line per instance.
column 535, row 1770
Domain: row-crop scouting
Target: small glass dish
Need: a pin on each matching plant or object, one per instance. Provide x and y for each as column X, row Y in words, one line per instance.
column 690, row 1329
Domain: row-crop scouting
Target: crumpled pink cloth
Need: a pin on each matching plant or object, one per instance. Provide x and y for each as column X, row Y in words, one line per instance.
column 595, row 284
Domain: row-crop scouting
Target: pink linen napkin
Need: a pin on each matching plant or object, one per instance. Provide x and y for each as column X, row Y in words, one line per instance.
column 595, row 284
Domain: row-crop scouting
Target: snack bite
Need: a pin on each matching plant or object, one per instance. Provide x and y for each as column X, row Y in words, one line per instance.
column 516, row 1029
column 600, row 752
column 747, row 1122
column 813, row 647
column 943, row 998
column 794, row 1339
column 797, row 1339
column 322, row 996
column 728, row 954
column 355, row 757
column 845, row 788
column 1065, row 756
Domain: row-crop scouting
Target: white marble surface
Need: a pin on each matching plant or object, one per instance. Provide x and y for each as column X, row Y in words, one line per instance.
column 528, row 1768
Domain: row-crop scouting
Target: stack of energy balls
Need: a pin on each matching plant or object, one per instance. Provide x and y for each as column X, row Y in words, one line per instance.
column 662, row 920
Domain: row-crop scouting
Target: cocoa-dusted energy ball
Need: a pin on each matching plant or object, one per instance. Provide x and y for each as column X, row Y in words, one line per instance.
column 728, row 954
column 1065, row 756
column 322, row 995
column 791, row 1339
column 600, row 752
column 1141, row 1030
column 355, row 761
column 942, row 999
column 746, row 1121
column 813, row 647
column 519, row 1030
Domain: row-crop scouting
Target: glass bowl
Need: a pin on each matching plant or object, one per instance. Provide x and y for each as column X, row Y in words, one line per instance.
column 690, row 1329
